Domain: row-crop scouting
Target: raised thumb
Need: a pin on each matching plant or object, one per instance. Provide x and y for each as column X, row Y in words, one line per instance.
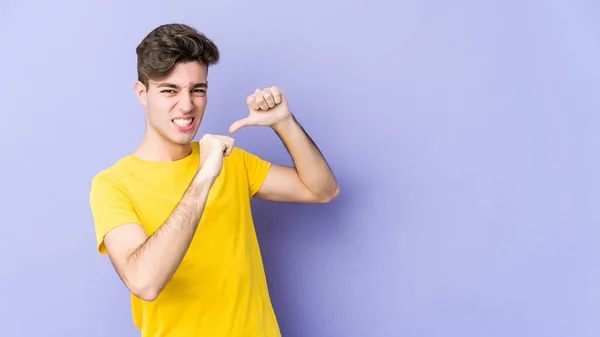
column 238, row 125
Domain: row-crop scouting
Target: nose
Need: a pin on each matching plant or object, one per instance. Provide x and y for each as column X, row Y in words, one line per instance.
column 185, row 103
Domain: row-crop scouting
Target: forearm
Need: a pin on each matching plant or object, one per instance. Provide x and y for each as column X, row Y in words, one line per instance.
column 155, row 261
column 312, row 168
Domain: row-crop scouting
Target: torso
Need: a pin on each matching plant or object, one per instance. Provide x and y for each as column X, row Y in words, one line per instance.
column 220, row 288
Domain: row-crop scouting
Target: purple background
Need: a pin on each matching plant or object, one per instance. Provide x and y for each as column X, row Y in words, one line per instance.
column 464, row 134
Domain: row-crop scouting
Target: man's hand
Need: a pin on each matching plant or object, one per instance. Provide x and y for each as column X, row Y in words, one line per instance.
column 212, row 150
column 268, row 107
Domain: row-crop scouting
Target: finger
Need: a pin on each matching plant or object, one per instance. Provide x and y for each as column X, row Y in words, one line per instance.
column 277, row 95
column 260, row 100
column 222, row 142
column 224, row 138
column 251, row 101
column 204, row 138
column 229, row 143
column 228, row 148
column 239, row 124
column 269, row 97
column 226, row 141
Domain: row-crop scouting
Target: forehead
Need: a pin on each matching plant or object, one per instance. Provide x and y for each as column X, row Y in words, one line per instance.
column 186, row 74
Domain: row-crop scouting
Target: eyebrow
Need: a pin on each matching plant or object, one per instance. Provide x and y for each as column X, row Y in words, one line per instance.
column 173, row 86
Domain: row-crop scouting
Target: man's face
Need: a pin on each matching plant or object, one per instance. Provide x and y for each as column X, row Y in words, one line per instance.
column 175, row 105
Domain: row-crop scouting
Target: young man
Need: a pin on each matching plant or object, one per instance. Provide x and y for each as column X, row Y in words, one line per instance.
column 174, row 216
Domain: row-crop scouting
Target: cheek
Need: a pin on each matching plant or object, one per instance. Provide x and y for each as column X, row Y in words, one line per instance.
column 160, row 105
column 200, row 102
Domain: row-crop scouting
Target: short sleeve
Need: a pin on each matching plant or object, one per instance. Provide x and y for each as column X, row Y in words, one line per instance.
column 111, row 207
column 256, row 170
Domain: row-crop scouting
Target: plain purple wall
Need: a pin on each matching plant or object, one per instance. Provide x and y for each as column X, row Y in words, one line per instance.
column 465, row 136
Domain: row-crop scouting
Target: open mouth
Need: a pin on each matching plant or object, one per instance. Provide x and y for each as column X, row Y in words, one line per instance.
column 183, row 123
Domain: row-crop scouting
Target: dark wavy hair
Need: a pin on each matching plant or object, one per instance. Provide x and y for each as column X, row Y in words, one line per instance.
column 170, row 44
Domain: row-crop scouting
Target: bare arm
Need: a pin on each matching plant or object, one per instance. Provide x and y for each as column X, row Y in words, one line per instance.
column 310, row 181
column 146, row 264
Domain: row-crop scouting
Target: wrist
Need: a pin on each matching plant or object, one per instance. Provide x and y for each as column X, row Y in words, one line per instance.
column 284, row 124
column 204, row 177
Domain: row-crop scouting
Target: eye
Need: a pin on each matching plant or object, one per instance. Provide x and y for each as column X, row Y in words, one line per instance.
column 200, row 92
column 167, row 91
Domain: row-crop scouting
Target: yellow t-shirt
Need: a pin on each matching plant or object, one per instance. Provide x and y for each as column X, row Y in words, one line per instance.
column 220, row 288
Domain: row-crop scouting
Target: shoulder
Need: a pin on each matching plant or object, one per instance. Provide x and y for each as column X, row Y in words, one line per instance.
column 248, row 160
column 242, row 155
column 237, row 156
column 238, row 153
column 112, row 177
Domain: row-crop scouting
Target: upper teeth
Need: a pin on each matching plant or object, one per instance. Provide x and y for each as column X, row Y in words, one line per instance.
column 182, row 122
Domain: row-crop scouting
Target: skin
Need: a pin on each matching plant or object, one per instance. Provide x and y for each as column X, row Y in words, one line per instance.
column 145, row 264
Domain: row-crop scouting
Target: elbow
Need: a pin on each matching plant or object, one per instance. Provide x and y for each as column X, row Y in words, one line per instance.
column 146, row 294
column 144, row 289
column 327, row 198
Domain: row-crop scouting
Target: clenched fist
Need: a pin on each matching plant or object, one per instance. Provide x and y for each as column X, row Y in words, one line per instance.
column 212, row 150
column 267, row 108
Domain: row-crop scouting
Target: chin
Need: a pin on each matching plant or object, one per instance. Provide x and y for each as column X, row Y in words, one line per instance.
column 182, row 140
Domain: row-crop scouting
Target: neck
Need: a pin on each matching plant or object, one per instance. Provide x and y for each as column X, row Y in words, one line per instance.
column 155, row 148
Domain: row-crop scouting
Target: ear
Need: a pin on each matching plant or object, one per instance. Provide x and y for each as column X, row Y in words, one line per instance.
column 140, row 91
